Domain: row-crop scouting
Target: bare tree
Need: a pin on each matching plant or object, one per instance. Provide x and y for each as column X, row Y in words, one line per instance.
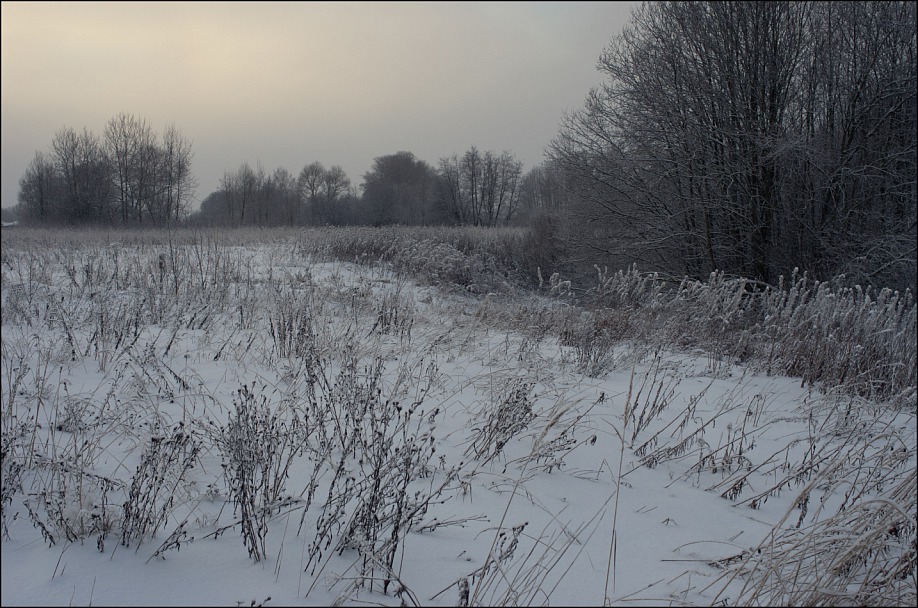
column 321, row 190
column 853, row 159
column 128, row 176
column 335, row 183
column 503, row 174
column 260, row 193
column 85, row 175
column 40, row 191
column 751, row 137
column 130, row 144
column 179, row 182
column 543, row 190
column 450, row 189
column 285, row 198
column 151, row 179
column 239, row 189
column 481, row 189
column 470, row 181
column 309, row 182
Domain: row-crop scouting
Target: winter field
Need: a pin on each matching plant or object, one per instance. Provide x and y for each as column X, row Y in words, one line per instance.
column 392, row 417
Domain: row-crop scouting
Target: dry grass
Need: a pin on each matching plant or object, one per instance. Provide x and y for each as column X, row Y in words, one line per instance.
column 344, row 435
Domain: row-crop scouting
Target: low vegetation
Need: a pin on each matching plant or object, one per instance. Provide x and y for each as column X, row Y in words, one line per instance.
column 352, row 392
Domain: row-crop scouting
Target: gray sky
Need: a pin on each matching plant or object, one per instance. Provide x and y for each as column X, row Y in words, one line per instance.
column 285, row 84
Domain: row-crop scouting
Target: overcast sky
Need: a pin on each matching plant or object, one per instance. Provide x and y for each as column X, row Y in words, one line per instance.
column 285, row 84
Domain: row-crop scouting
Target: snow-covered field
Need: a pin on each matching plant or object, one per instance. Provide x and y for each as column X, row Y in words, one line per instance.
column 219, row 424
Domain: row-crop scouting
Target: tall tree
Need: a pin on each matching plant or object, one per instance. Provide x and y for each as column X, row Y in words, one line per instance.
column 450, row 190
column 309, row 182
column 130, row 146
column 334, row 184
column 178, row 182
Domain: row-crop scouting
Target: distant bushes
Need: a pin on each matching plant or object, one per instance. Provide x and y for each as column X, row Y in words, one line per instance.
column 853, row 339
column 467, row 257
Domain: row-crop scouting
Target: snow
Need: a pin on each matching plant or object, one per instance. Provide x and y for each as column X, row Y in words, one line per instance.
column 671, row 521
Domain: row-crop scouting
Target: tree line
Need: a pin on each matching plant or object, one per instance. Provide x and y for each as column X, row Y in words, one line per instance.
column 746, row 137
column 132, row 177
column 477, row 189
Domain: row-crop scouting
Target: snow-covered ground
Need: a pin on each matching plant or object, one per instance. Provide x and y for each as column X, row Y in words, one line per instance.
column 429, row 447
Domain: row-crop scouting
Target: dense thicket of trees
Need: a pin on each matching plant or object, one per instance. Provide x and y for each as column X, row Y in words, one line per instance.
column 250, row 196
column 401, row 189
column 130, row 176
column 753, row 137
column 543, row 191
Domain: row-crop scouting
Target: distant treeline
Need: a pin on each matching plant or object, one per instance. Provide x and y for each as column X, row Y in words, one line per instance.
column 475, row 189
column 132, row 178
column 751, row 138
